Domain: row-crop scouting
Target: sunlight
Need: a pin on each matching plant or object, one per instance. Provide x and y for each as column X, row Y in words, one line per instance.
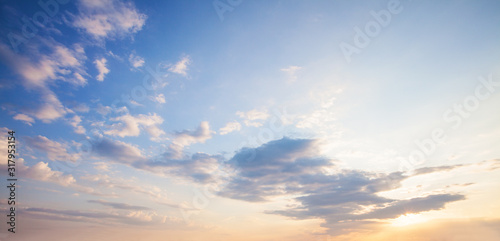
column 408, row 219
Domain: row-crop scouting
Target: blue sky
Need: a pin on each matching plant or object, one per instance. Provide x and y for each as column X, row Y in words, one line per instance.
column 252, row 120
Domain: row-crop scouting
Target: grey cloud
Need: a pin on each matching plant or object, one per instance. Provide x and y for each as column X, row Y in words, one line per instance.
column 117, row 151
column 426, row 170
column 340, row 197
column 118, row 205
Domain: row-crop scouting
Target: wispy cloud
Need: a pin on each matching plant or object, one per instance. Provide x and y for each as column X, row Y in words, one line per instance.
column 55, row 151
column 136, row 61
column 291, row 72
column 188, row 137
column 25, row 118
column 117, row 151
column 108, row 19
column 230, row 127
column 160, row 98
column 253, row 117
column 116, row 205
column 181, row 67
column 129, row 125
column 100, row 65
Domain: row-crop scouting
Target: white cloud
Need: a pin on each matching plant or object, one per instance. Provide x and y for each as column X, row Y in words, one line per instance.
column 291, row 71
column 75, row 122
column 159, row 99
column 54, row 150
column 136, row 61
column 26, row 119
column 103, row 110
column 188, row 137
column 108, row 19
column 181, row 67
column 253, row 117
column 42, row 172
column 39, row 70
column 100, row 64
column 230, row 127
column 131, row 125
column 50, row 109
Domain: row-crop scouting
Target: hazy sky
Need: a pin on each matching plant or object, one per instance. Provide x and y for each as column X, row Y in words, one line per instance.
column 251, row 120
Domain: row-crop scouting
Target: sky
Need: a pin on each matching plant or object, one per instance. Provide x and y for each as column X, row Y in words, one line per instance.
column 250, row 120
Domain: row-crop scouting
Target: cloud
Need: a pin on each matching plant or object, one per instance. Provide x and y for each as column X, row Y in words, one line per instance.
column 55, row 151
column 129, row 125
column 108, row 19
column 160, row 98
column 136, row 61
column 186, row 138
column 155, row 193
column 291, row 72
column 230, row 127
column 426, row 170
column 26, row 119
column 253, row 117
column 50, row 108
column 140, row 217
column 40, row 172
column 103, row 110
column 346, row 200
column 414, row 205
column 82, row 107
column 100, row 64
column 117, row 151
column 75, row 122
column 37, row 70
column 181, row 67
column 115, row 205
column 200, row 167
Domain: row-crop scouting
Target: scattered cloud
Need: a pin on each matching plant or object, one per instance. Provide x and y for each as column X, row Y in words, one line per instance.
column 181, row 67
column 55, row 151
column 75, row 122
column 291, row 72
column 100, row 64
column 108, row 19
column 253, row 117
column 136, row 61
column 160, row 98
column 133, row 217
column 186, row 138
column 103, row 110
column 41, row 172
column 200, row 167
column 25, row 118
column 38, row 70
column 117, row 151
column 129, row 125
column 230, row 127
